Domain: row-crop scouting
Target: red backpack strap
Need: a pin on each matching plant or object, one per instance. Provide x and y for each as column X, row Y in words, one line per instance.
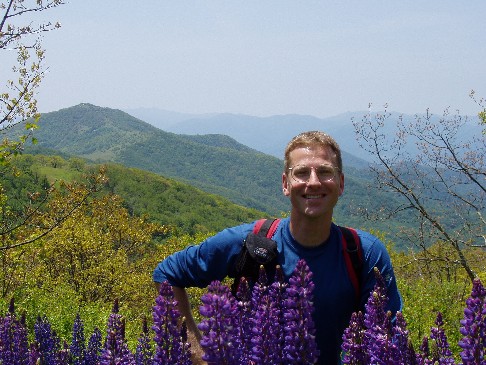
column 266, row 227
column 353, row 257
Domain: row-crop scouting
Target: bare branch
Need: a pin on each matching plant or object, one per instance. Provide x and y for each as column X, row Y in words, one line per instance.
column 440, row 171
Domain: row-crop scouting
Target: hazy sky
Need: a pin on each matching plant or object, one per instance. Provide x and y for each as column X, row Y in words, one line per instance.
column 263, row 57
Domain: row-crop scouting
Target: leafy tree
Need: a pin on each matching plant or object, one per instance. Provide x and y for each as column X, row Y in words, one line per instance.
column 99, row 251
column 43, row 213
column 97, row 254
column 18, row 103
column 442, row 167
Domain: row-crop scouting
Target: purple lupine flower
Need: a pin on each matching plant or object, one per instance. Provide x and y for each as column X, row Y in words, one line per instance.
column 378, row 325
column 278, row 294
column 266, row 320
column 48, row 342
column 376, row 304
column 14, row 347
column 422, row 356
column 300, row 345
column 144, row 353
column 400, row 339
column 34, row 354
column 378, row 339
column 373, row 338
column 115, row 350
column 219, row 329
column 442, row 354
column 93, row 350
column 21, row 342
column 64, row 355
column 115, row 323
column 78, row 343
column 353, row 345
column 6, row 339
column 170, row 339
column 412, row 357
column 244, row 325
column 473, row 327
column 390, row 344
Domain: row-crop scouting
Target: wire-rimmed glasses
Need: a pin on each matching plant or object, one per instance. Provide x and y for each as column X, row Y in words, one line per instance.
column 302, row 173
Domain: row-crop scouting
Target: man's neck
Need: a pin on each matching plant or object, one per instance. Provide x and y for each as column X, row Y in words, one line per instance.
column 310, row 232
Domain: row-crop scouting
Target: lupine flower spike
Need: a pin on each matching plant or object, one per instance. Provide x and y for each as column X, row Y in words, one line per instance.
column 300, row 345
column 473, row 327
column 353, row 345
column 401, row 341
column 47, row 340
column 13, row 338
column 264, row 320
column 219, row 328
column 93, row 350
column 170, row 340
column 442, row 353
column 279, row 294
column 143, row 352
column 78, row 342
column 422, row 356
column 244, row 324
column 116, row 350
column 375, row 338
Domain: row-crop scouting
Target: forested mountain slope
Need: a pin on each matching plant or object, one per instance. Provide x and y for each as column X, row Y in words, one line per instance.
column 163, row 200
column 214, row 163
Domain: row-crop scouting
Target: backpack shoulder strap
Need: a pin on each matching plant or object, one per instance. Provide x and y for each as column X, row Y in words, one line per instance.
column 266, row 227
column 353, row 257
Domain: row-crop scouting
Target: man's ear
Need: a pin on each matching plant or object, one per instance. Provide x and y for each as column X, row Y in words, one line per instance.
column 285, row 185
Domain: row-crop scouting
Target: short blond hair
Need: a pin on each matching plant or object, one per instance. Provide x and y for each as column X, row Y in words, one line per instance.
column 311, row 139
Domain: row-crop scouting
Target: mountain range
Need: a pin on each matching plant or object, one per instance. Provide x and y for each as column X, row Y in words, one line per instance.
column 271, row 134
column 213, row 163
column 265, row 134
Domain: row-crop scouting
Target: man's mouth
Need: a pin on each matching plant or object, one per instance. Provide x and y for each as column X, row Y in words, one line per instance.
column 313, row 196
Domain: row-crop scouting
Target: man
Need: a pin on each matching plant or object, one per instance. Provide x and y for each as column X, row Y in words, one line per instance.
column 313, row 179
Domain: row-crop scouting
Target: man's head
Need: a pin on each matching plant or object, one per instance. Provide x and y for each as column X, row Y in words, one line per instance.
column 313, row 139
column 313, row 179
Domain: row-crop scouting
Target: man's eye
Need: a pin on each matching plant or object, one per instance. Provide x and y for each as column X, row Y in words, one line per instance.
column 325, row 170
column 302, row 171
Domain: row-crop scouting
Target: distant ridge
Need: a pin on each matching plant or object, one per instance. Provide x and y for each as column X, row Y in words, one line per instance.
column 213, row 162
column 271, row 134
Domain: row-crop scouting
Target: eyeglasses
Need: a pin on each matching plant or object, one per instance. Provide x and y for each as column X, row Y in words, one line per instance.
column 302, row 173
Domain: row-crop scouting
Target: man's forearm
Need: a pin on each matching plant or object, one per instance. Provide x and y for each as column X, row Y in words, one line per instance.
column 184, row 307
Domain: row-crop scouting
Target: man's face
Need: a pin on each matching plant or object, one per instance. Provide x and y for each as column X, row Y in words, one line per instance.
column 316, row 197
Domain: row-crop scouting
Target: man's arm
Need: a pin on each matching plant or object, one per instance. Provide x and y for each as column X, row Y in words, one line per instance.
column 376, row 255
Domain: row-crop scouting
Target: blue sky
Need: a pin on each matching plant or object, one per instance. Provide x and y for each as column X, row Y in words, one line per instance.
column 263, row 58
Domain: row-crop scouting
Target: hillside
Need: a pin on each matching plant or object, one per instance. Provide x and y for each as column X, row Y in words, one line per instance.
column 163, row 200
column 215, row 164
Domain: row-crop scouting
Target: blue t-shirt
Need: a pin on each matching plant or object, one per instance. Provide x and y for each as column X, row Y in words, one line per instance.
column 334, row 294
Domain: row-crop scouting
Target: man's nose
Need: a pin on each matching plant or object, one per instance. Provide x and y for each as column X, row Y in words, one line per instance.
column 313, row 178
